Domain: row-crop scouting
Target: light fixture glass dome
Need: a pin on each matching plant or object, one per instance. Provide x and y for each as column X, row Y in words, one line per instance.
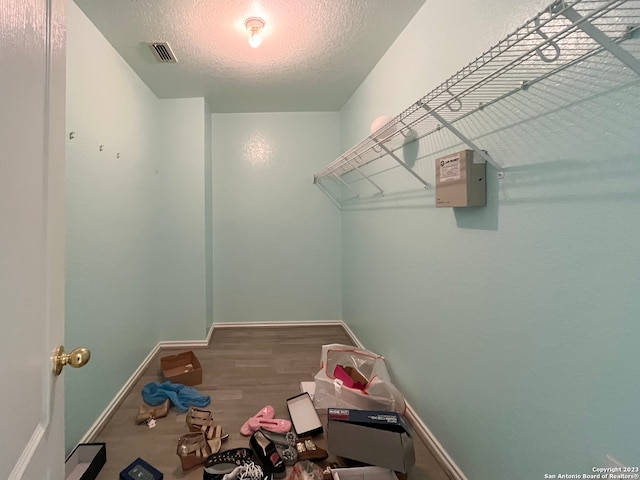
column 254, row 28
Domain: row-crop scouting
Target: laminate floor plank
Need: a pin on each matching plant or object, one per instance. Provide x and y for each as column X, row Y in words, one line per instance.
column 243, row 370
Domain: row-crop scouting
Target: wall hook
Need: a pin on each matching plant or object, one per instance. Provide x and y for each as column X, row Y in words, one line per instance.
column 376, row 145
column 553, row 44
column 101, row 148
column 406, row 131
column 118, row 155
column 454, row 101
column 72, row 135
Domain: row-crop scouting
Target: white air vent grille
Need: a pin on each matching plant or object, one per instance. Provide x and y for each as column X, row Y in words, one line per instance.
column 162, row 52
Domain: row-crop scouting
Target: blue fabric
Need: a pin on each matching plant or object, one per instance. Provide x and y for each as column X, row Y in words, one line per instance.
column 181, row 396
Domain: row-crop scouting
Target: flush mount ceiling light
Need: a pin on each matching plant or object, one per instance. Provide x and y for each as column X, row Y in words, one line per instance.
column 254, row 28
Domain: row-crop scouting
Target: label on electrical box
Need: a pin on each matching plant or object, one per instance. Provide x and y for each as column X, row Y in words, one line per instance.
column 450, row 169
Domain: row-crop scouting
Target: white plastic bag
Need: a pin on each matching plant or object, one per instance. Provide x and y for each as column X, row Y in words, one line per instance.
column 378, row 394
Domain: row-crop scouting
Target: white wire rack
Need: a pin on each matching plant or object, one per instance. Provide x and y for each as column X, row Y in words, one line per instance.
column 562, row 35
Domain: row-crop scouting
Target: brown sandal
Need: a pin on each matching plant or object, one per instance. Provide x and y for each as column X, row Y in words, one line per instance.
column 308, row 450
column 193, row 450
column 202, row 421
column 146, row 413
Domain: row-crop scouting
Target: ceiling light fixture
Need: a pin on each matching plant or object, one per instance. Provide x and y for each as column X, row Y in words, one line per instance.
column 254, row 28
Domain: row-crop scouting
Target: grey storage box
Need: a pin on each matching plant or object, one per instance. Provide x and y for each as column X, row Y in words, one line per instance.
column 373, row 437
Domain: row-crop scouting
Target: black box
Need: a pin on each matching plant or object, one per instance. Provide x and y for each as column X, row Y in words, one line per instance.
column 85, row 462
column 304, row 416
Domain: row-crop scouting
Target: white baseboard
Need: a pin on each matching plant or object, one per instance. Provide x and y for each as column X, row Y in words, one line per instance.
column 98, row 425
column 104, row 417
column 351, row 335
column 183, row 344
column 440, row 454
column 297, row 323
column 133, row 379
column 420, row 428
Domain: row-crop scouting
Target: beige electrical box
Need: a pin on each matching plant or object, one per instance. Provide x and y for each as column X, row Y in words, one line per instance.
column 460, row 182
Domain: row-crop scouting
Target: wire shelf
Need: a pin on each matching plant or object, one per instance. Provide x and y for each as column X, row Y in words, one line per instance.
column 559, row 37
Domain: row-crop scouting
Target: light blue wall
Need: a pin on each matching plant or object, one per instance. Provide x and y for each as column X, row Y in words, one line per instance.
column 135, row 239
column 180, row 220
column 513, row 328
column 208, row 213
column 276, row 247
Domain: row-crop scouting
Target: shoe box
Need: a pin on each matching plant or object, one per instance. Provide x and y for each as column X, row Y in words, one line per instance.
column 85, row 462
column 140, row 470
column 363, row 473
column 183, row 368
column 304, row 416
column 377, row 438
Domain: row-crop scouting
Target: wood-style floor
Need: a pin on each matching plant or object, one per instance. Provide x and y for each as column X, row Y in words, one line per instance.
column 244, row 369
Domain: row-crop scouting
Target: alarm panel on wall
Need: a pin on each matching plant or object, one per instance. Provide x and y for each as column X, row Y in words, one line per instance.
column 461, row 180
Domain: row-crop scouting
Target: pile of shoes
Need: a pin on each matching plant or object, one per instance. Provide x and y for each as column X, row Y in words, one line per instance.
column 273, row 443
column 264, row 428
column 273, row 446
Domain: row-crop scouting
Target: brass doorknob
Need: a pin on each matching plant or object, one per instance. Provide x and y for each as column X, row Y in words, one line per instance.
column 78, row 357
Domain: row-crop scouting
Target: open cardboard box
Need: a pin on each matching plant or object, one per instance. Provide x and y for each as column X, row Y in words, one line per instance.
column 85, row 462
column 183, row 368
column 374, row 437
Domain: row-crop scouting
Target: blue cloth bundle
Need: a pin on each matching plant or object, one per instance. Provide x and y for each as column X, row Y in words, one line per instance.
column 181, row 396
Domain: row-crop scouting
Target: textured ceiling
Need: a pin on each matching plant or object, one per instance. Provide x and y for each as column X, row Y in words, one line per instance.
column 313, row 56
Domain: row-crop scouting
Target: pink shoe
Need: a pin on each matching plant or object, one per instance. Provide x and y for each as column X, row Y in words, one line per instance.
column 266, row 412
column 275, row 425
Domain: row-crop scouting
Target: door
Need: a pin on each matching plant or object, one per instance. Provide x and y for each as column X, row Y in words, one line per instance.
column 32, row 90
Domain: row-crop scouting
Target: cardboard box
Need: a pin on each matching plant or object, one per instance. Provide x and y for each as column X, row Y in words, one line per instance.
column 374, row 437
column 183, row 368
column 363, row 473
column 85, row 462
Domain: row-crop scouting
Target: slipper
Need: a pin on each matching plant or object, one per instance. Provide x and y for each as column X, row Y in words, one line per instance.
column 268, row 456
column 276, row 425
column 266, row 412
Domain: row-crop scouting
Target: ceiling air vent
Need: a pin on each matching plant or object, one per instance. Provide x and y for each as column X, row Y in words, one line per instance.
column 162, row 52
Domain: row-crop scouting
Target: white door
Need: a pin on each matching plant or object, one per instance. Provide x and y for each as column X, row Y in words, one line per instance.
column 32, row 90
